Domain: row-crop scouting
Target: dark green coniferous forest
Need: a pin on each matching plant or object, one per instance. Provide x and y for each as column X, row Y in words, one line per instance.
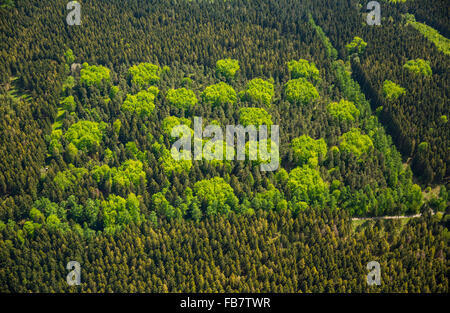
column 87, row 120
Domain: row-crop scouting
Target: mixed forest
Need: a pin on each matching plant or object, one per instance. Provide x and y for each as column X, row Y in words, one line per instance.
column 88, row 173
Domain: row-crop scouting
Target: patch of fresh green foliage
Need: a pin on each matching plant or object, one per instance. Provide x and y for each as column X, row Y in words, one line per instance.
column 442, row 43
column 68, row 55
column 7, row 4
column 144, row 74
column 163, row 207
column 419, row 66
column 258, row 91
column 216, row 196
column 300, row 90
column 171, row 166
column 143, row 103
column 85, row 135
column 182, row 98
column 68, row 104
column 171, row 121
column 227, row 68
column 303, row 68
column 93, row 74
column 307, row 150
column 357, row 45
column 306, row 186
column 356, row 142
column 219, row 94
column 343, row 110
column 254, row 116
column 70, row 177
column 118, row 211
column 331, row 51
column 129, row 173
column 392, row 91
column 269, row 199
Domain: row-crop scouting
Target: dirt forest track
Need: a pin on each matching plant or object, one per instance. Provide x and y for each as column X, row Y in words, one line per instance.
column 385, row 217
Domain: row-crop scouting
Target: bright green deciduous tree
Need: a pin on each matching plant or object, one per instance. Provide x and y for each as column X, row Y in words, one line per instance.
column 181, row 98
column 357, row 45
column 37, row 216
column 258, row 91
column 423, row 146
column 419, row 66
column 29, row 228
column 53, row 222
column 171, row 121
column 133, row 149
column 227, row 68
column 143, row 103
column 116, row 126
column 68, row 178
column 93, row 74
column 119, row 211
column 170, row 165
column 392, row 91
column 219, row 94
column 144, row 74
column 162, row 206
column 343, row 110
column 130, row 172
column 414, row 198
column 70, row 58
column 307, row 150
column 306, row 185
column 85, row 135
column 270, row 199
column 300, row 90
column 303, row 68
column 356, row 142
column 55, row 148
column 216, row 195
column 68, row 104
column 254, row 116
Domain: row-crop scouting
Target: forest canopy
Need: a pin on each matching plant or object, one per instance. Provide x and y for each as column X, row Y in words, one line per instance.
column 301, row 91
column 303, row 68
column 258, row 91
column 227, row 68
column 307, row 150
column 219, row 94
column 143, row 103
column 94, row 74
column 144, row 74
column 343, row 110
column 392, row 91
column 182, row 98
column 89, row 171
column 357, row 45
column 356, row 142
column 419, row 66
column 85, row 135
column 254, row 116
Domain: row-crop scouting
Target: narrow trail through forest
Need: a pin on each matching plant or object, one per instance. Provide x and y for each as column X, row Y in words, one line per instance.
column 394, row 217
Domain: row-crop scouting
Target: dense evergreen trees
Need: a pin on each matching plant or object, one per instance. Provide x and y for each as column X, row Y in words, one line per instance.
column 87, row 170
column 317, row 251
column 414, row 117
